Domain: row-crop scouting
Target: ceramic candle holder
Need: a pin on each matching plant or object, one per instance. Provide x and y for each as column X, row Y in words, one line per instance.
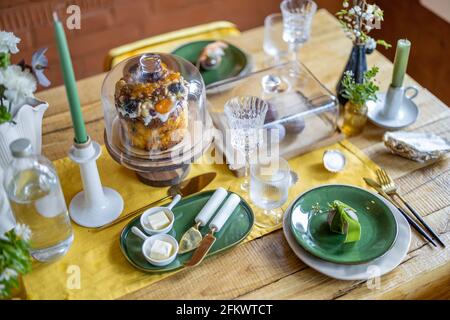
column 394, row 109
column 394, row 101
column 95, row 206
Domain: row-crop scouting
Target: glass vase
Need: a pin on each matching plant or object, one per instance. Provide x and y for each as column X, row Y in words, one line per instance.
column 355, row 118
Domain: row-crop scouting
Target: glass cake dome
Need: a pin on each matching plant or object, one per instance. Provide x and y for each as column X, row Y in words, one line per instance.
column 156, row 122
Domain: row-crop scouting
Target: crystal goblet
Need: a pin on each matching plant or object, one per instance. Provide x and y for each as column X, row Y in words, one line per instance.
column 245, row 118
column 297, row 19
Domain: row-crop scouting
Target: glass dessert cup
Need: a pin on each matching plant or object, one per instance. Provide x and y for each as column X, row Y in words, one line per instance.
column 156, row 123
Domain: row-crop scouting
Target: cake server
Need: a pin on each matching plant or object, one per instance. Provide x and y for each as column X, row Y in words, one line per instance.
column 185, row 188
column 192, row 237
column 216, row 224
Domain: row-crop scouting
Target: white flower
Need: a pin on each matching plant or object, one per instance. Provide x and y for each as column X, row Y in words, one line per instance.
column 371, row 44
column 377, row 12
column 39, row 63
column 370, row 8
column 357, row 9
column 7, row 274
column 19, row 84
column 8, row 42
column 345, row 4
column 23, row 231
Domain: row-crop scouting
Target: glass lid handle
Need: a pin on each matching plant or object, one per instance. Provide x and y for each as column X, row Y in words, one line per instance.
column 150, row 65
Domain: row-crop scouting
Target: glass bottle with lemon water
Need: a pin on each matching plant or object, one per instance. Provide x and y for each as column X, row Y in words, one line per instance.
column 36, row 199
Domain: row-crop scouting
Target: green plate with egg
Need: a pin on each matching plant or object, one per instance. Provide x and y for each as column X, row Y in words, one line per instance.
column 309, row 213
column 234, row 231
column 234, row 63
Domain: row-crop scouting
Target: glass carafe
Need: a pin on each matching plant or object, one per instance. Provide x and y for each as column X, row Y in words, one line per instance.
column 36, row 199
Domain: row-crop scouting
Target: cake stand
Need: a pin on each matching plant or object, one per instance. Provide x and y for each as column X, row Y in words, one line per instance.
column 166, row 168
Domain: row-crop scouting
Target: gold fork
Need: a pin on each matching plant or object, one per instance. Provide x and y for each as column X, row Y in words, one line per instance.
column 388, row 185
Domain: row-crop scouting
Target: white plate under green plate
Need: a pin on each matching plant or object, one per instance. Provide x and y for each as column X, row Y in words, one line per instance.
column 364, row 271
column 310, row 228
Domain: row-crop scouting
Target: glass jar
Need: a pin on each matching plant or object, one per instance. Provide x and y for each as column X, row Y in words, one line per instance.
column 36, row 199
column 355, row 118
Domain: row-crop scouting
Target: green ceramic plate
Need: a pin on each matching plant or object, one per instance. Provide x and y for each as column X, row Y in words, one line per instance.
column 235, row 62
column 310, row 227
column 234, row 231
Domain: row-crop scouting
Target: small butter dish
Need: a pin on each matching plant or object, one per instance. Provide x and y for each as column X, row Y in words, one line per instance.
column 164, row 238
column 165, row 241
column 159, row 220
column 334, row 160
column 150, row 224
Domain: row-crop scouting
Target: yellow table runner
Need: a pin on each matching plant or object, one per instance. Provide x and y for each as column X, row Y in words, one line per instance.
column 95, row 268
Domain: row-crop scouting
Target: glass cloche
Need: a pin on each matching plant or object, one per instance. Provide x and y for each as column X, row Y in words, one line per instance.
column 156, row 122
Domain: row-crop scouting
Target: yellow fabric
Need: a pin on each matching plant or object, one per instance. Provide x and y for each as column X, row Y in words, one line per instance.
column 169, row 41
column 105, row 273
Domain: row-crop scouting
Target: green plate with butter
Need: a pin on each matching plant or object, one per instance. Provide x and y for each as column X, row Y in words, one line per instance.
column 235, row 230
column 234, row 63
column 310, row 227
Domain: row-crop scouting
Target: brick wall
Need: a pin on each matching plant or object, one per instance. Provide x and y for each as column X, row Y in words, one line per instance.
column 109, row 23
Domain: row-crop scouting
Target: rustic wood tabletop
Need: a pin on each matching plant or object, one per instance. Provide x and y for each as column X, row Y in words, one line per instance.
column 266, row 268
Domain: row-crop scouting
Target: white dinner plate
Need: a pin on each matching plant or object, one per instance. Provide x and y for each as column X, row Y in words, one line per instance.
column 377, row 267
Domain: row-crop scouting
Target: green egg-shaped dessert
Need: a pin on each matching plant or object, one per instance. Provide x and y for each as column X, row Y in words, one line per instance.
column 343, row 219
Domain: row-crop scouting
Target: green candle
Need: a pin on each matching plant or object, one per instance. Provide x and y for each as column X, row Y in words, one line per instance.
column 400, row 62
column 70, row 82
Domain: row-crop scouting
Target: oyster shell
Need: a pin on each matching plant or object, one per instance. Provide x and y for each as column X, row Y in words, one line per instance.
column 419, row 147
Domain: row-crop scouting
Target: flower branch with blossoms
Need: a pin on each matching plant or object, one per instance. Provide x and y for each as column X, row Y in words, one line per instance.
column 360, row 93
column 15, row 259
column 359, row 20
column 18, row 82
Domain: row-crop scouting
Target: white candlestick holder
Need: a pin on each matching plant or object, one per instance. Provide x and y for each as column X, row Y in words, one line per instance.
column 95, row 206
column 394, row 109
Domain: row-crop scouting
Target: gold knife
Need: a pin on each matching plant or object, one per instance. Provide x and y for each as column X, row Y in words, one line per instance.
column 216, row 224
column 184, row 188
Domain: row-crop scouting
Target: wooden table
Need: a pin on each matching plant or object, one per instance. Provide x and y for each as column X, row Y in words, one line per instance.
column 266, row 268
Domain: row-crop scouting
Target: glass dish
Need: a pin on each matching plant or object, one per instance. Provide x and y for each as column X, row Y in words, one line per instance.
column 303, row 112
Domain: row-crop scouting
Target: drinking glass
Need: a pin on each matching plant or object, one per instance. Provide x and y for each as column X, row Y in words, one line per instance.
column 270, row 180
column 297, row 19
column 246, row 117
column 274, row 45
